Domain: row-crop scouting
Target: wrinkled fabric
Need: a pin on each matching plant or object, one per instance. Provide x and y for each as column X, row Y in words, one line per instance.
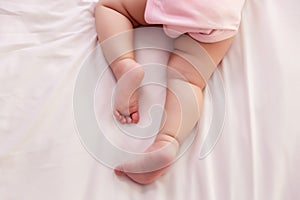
column 42, row 47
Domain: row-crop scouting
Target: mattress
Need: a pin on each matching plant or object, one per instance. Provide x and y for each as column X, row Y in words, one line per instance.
column 244, row 147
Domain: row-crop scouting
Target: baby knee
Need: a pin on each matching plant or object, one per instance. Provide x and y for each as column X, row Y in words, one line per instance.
column 190, row 99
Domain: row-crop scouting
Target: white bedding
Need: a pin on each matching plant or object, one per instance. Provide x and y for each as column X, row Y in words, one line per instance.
column 43, row 45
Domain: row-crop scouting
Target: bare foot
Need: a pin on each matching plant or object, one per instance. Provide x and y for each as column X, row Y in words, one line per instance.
column 129, row 75
column 149, row 167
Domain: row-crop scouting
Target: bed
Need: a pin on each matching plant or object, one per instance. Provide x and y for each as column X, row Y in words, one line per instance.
column 43, row 155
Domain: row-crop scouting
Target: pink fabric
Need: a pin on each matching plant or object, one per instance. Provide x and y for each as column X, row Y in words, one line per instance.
column 204, row 20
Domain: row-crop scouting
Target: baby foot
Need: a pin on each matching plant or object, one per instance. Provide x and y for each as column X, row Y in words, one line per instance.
column 129, row 76
column 149, row 167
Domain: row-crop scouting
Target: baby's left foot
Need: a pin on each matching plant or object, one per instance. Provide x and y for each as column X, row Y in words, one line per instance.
column 149, row 167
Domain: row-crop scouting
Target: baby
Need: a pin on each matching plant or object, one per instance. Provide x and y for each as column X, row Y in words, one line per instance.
column 203, row 30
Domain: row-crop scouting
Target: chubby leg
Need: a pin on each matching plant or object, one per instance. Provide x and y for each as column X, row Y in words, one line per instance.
column 182, row 108
column 115, row 20
column 182, row 111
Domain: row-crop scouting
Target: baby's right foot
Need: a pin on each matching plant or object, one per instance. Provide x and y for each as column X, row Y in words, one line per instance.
column 157, row 159
column 129, row 75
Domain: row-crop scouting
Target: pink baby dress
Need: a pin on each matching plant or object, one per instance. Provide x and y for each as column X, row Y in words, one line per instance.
column 204, row 20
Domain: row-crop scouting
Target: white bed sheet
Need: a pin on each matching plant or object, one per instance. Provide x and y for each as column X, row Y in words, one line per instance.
column 42, row 48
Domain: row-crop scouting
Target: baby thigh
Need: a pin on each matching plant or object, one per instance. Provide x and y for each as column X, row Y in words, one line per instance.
column 132, row 9
column 196, row 60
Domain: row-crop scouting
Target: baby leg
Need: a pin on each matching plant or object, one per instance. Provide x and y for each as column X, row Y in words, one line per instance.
column 115, row 20
column 182, row 108
column 182, row 111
